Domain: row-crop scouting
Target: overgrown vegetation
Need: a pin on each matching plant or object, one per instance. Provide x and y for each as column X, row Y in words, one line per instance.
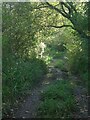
column 18, row 77
column 61, row 27
column 57, row 101
column 75, row 56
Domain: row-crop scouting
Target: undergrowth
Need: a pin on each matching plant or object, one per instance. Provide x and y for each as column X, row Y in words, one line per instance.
column 57, row 101
column 18, row 77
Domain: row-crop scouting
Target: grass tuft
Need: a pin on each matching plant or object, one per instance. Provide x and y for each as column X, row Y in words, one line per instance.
column 57, row 101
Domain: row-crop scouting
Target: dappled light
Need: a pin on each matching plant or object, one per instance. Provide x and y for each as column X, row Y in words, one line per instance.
column 40, row 49
column 45, row 59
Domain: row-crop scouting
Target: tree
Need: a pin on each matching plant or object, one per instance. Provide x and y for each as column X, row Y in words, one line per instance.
column 69, row 11
column 26, row 23
column 74, row 12
column 20, row 27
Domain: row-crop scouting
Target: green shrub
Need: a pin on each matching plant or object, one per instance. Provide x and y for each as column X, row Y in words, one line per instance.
column 18, row 76
column 57, row 101
column 60, row 64
column 84, row 77
column 77, row 57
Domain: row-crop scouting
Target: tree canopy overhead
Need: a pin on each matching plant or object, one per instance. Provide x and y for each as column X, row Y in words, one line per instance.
column 77, row 16
column 41, row 38
column 26, row 23
column 47, row 14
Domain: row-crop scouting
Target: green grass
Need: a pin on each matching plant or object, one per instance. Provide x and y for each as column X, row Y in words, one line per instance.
column 56, row 54
column 60, row 64
column 18, row 80
column 57, row 101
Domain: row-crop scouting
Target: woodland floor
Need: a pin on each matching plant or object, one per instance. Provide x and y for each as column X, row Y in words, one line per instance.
column 29, row 106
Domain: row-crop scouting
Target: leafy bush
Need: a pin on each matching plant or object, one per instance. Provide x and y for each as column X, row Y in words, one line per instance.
column 76, row 61
column 47, row 59
column 18, row 76
column 77, row 56
column 60, row 64
column 84, row 77
column 57, row 101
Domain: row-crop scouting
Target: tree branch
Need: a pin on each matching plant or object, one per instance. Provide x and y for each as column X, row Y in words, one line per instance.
column 58, row 10
column 61, row 26
column 66, row 5
column 39, row 7
column 72, row 6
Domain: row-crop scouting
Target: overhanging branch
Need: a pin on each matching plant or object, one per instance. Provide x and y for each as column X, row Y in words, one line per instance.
column 60, row 26
column 40, row 7
column 58, row 10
